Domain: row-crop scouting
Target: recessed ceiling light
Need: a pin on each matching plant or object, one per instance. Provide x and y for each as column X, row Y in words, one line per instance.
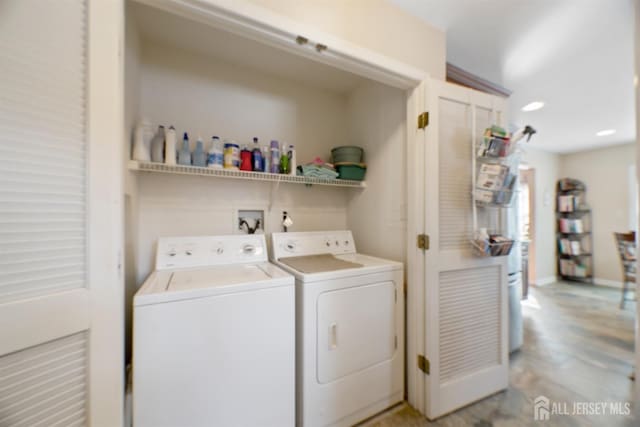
column 606, row 132
column 533, row 106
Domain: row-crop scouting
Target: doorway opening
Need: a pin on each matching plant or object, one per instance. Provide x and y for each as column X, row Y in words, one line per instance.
column 526, row 229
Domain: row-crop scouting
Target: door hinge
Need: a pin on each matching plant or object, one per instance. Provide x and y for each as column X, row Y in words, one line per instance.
column 423, row 242
column 395, row 342
column 423, row 120
column 423, row 364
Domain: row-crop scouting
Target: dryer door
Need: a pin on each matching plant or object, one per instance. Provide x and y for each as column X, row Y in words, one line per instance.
column 356, row 329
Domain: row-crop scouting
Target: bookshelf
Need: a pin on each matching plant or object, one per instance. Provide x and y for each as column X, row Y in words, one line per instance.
column 573, row 232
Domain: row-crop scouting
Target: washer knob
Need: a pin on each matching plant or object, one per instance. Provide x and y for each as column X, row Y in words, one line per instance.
column 248, row 249
column 220, row 250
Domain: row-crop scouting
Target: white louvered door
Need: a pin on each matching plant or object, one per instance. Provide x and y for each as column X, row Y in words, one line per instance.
column 465, row 296
column 60, row 288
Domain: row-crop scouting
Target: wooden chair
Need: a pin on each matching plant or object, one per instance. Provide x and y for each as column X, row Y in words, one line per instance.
column 626, row 243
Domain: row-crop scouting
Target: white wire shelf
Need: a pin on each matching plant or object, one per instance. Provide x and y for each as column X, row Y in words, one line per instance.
column 238, row 174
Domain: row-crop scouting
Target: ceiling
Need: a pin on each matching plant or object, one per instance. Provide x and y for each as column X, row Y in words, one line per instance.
column 574, row 55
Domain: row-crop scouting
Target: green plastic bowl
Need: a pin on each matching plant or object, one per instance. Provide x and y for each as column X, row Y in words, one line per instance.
column 347, row 154
column 352, row 171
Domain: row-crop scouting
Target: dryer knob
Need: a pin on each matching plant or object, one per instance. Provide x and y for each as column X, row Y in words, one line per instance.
column 220, row 251
column 248, row 249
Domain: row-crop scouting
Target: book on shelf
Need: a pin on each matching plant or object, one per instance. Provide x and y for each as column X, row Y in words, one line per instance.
column 573, row 268
column 570, row 247
column 566, row 203
column 575, row 248
column 569, row 184
column 570, row 225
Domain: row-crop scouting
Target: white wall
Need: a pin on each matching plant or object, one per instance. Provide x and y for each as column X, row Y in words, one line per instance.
column 547, row 172
column 205, row 96
column 131, row 110
column 377, row 25
column 605, row 172
column 378, row 216
column 171, row 205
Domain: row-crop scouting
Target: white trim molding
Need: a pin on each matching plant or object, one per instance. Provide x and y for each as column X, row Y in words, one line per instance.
column 543, row 281
column 608, row 283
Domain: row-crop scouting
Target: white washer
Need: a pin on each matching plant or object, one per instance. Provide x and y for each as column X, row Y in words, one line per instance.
column 349, row 328
column 214, row 336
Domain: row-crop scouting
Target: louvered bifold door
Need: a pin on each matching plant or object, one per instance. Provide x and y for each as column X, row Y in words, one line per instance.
column 465, row 296
column 43, row 213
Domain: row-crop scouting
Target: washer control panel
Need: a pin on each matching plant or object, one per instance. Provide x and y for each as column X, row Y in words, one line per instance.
column 202, row 251
column 312, row 243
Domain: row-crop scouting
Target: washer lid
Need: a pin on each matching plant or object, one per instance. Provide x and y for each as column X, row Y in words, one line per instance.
column 166, row 286
column 219, row 276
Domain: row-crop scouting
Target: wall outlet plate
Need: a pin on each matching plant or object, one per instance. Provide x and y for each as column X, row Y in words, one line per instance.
column 250, row 221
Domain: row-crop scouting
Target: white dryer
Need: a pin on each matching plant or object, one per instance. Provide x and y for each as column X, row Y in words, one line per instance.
column 349, row 327
column 214, row 336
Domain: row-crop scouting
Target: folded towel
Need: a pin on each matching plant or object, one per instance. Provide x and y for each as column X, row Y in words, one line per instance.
column 315, row 171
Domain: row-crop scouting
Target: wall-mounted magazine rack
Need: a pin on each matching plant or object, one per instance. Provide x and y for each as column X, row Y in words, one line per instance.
column 491, row 248
column 495, row 148
column 495, row 178
column 494, row 198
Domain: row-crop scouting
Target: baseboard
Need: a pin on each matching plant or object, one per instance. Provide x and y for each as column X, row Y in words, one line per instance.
column 542, row 281
column 609, row 283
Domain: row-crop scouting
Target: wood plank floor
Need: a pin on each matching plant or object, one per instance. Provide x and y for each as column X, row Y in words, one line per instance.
column 578, row 346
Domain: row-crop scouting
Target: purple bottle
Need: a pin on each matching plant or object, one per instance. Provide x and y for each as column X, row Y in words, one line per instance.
column 275, row 157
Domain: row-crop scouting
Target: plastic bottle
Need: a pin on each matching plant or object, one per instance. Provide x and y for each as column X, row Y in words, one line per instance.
column 266, row 158
column 257, row 162
column 216, row 154
column 293, row 164
column 245, row 159
column 184, row 155
column 231, row 155
column 157, row 146
column 141, row 142
column 284, row 160
column 275, row 157
column 199, row 156
column 170, row 146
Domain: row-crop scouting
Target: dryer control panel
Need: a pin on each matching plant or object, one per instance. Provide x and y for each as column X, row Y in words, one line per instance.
column 312, row 243
column 203, row 251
